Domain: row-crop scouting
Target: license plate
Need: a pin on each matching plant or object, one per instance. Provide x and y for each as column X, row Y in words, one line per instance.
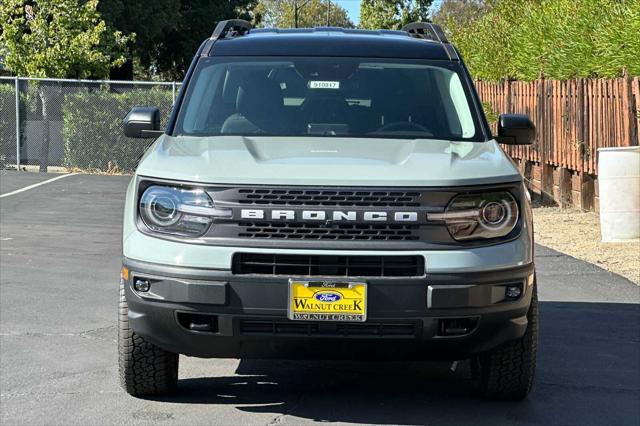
column 327, row 301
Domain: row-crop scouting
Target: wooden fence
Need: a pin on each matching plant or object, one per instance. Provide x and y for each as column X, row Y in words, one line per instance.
column 573, row 117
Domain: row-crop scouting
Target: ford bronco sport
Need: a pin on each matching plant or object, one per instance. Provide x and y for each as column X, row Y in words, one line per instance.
column 328, row 193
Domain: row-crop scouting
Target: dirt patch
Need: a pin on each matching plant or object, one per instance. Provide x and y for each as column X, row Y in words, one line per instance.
column 577, row 234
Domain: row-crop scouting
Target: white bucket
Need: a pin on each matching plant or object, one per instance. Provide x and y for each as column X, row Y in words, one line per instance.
column 619, row 186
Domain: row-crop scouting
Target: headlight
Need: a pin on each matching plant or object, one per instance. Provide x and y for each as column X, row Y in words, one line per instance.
column 479, row 216
column 176, row 211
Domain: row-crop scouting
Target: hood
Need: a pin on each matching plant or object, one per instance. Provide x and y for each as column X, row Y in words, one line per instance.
column 327, row 161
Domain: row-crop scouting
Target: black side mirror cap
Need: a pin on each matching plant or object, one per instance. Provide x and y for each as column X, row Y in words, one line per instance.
column 515, row 129
column 142, row 122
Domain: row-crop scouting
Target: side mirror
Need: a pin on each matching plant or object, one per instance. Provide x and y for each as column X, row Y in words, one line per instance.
column 142, row 122
column 515, row 129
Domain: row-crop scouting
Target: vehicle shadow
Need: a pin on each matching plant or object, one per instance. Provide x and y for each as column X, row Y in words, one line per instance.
column 588, row 373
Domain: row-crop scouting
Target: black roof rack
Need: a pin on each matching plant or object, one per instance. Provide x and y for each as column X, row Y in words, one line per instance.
column 433, row 32
column 226, row 29
column 426, row 30
column 232, row 28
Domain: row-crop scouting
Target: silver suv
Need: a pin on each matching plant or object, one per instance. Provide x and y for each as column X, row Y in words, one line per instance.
column 328, row 193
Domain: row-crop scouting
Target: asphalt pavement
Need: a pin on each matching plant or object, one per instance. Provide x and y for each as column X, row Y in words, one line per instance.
column 59, row 268
column 12, row 181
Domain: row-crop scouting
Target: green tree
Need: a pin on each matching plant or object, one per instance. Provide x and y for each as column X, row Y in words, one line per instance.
column 306, row 13
column 459, row 12
column 168, row 32
column 392, row 14
column 151, row 21
column 197, row 19
column 56, row 38
column 556, row 39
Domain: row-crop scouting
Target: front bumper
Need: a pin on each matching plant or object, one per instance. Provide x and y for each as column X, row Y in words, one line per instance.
column 247, row 315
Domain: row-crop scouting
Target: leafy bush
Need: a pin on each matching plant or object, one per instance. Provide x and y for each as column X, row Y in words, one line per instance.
column 490, row 113
column 7, row 122
column 555, row 39
column 92, row 127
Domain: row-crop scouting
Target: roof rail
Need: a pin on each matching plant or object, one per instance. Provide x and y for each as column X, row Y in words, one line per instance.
column 226, row 29
column 426, row 30
column 233, row 27
column 429, row 31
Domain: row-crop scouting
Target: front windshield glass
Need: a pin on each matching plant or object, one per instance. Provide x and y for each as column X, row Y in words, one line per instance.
column 315, row 96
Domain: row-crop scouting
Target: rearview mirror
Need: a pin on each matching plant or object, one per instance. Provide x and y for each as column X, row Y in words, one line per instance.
column 142, row 122
column 515, row 129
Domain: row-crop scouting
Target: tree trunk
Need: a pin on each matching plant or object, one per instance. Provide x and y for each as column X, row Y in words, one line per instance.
column 44, row 148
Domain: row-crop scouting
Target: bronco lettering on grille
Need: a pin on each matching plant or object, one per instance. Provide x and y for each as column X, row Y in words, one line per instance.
column 335, row 216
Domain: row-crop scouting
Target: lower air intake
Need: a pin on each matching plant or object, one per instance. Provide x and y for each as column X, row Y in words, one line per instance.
column 328, row 266
column 291, row 328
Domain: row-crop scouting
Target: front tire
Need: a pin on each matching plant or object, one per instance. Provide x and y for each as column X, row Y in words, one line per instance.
column 145, row 369
column 507, row 371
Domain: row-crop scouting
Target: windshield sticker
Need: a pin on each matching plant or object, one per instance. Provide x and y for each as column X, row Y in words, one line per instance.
column 324, row 85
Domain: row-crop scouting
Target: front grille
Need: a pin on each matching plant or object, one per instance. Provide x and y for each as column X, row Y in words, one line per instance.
column 325, row 266
column 321, row 197
column 315, row 231
column 291, row 328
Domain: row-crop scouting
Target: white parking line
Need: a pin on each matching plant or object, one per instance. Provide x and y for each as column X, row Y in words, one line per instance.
column 35, row 185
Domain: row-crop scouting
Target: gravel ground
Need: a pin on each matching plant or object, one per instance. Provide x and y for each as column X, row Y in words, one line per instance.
column 577, row 234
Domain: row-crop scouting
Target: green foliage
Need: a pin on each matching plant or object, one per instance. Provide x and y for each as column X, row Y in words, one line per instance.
column 555, row 39
column 490, row 113
column 149, row 20
column 168, row 32
column 92, row 128
column 311, row 13
column 392, row 14
column 459, row 12
column 7, row 121
column 194, row 22
column 8, row 118
column 57, row 38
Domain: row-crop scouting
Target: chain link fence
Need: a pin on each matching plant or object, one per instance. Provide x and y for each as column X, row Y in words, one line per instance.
column 75, row 124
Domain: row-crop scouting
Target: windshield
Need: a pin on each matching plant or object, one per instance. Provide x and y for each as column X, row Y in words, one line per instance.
column 315, row 96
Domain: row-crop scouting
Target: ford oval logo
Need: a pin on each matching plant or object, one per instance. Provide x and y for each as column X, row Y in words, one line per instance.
column 328, row 297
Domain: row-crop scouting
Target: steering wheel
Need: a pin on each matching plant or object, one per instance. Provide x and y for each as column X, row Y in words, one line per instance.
column 404, row 125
